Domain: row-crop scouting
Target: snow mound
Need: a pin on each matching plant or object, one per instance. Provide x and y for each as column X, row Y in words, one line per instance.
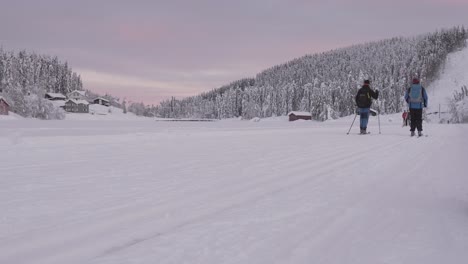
column 10, row 116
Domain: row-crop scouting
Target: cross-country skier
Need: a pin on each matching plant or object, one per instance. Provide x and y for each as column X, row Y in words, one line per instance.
column 416, row 97
column 364, row 101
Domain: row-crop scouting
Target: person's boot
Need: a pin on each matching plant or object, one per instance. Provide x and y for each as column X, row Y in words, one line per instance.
column 412, row 133
column 420, row 134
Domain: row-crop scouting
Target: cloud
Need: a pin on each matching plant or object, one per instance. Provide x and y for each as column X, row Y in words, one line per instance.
column 110, row 79
column 177, row 83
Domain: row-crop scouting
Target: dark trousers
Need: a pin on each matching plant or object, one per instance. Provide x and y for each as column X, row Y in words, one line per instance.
column 416, row 119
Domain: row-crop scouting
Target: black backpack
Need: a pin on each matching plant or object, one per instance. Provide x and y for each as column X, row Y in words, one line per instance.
column 363, row 99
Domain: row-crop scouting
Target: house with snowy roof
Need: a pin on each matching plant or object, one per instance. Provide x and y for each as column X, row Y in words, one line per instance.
column 76, row 106
column 101, row 101
column 295, row 115
column 4, row 106
column 77, row 95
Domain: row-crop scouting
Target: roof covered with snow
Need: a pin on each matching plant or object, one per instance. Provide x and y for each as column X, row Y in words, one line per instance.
column 102, row 99
column 297, row 113
column 83, row 93
column 78, row 101
column 56, row 95
column 4, row 99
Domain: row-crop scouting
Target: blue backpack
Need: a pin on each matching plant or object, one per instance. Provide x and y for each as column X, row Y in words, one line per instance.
column 415, row 93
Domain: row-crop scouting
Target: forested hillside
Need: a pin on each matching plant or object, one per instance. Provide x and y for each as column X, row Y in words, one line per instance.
column 325, row 84
column 26, row 77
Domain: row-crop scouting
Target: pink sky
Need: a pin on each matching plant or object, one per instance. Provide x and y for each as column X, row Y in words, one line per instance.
column 151, row 50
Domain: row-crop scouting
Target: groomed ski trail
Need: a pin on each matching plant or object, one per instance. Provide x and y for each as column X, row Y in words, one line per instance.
column 248, row 197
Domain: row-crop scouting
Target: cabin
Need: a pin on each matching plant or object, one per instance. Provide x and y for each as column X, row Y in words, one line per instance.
column 76, row 106
column 101, row 101
column 294, row 115
column 4, row 106
column 55, row 97
column 77, row 95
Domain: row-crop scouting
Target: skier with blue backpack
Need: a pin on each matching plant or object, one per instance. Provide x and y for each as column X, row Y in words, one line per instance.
column 416, row 97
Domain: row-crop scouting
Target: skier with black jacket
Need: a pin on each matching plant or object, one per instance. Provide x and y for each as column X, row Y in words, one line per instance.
column 364, row 102
column 416, row 97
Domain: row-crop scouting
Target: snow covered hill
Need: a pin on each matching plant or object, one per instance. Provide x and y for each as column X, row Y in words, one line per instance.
column 452, row 78
column 233, row 191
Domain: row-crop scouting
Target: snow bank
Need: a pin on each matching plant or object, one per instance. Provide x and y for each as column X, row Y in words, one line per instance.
column 10, row 116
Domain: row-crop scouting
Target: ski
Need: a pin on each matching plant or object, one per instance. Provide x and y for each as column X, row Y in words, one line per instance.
column 418, row 136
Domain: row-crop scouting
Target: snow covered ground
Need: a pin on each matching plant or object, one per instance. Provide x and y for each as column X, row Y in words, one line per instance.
column 10, row 116
column 100, row 112
column 233, row 191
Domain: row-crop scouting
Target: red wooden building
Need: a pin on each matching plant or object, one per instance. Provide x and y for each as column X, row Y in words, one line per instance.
column 4, row 106
column 294, row 115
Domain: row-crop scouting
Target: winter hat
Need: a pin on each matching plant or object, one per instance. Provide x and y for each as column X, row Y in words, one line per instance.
column 415, row 81
column 366, row 82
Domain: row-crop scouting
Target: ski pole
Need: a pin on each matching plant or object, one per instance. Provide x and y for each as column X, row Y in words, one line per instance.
column 378, row 117
column 352, row 124
column 378, row 114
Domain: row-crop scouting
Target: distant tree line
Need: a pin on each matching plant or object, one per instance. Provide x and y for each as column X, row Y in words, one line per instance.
column 325, row 84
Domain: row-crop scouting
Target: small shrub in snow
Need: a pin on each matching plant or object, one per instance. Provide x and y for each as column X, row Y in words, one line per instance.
column 459, row 111
column 459, row 106
column 41, row 108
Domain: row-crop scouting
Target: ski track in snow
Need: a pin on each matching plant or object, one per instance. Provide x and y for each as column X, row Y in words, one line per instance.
column 244, row 193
